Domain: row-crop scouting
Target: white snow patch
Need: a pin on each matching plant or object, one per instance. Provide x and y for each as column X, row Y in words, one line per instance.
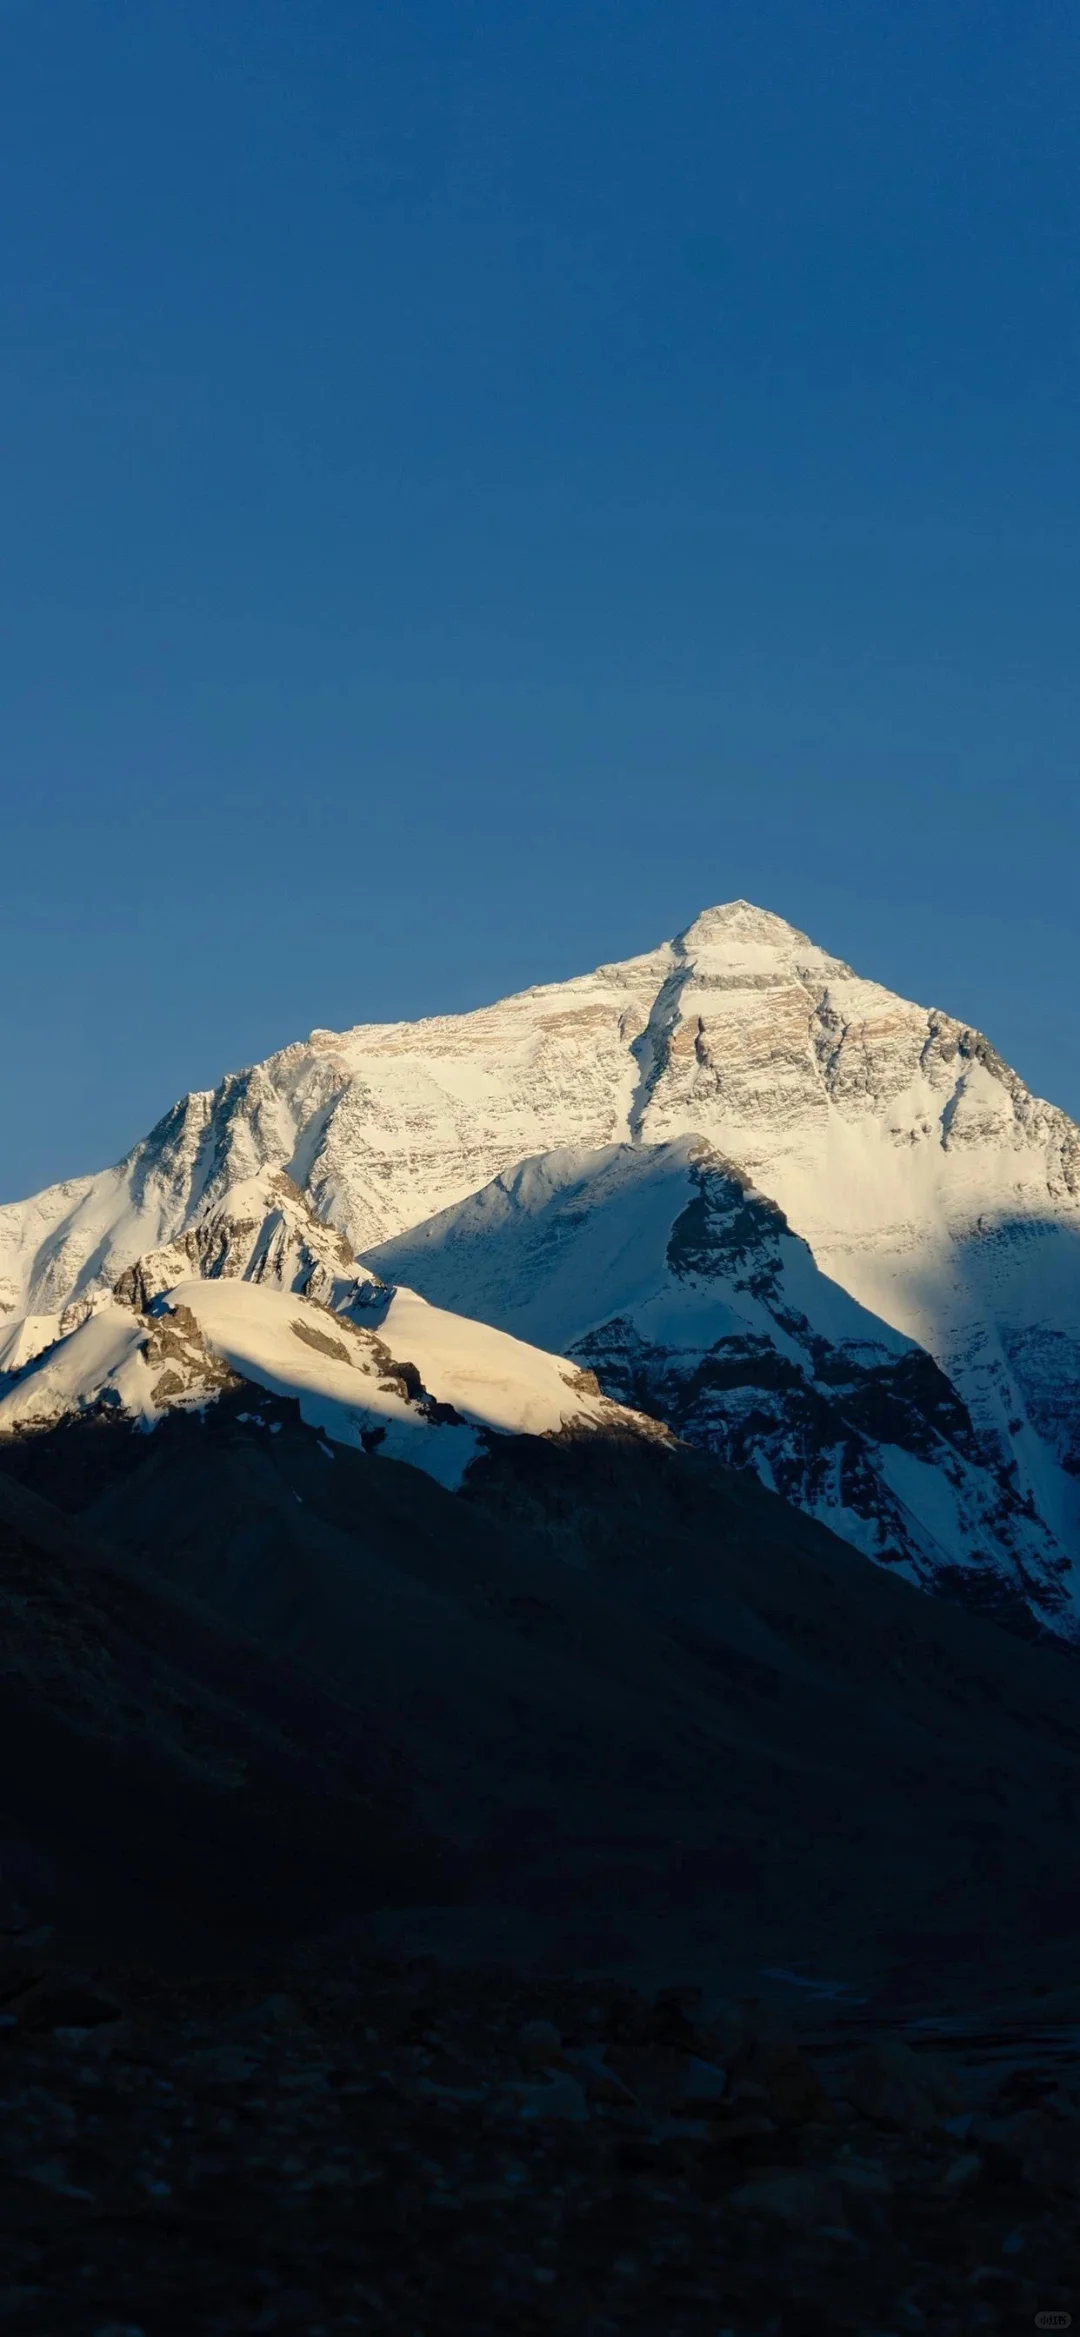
column 345, row 1379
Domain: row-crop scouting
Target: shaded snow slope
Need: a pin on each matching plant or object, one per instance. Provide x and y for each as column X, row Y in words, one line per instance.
column 927, row 1181
column 687, row 1293
column 423, row 1387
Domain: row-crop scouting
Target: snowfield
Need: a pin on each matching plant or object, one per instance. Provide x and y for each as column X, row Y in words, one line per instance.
column 387, row 1389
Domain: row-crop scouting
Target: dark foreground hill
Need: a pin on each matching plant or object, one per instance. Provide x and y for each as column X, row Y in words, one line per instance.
column 613, row 1705
column 164, row 1781
column 609, row 1722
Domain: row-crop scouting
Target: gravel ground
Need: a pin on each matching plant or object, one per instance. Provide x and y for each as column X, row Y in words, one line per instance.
column 340, row 2144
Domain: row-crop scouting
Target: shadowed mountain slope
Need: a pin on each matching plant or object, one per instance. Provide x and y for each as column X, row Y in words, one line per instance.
column 644, row 1707
column 163, row 1776
column 684, row 1289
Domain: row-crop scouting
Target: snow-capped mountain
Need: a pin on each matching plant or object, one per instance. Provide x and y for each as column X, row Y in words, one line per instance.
column 421, row 1387
column 686, row 1292
column 928, row 1183
column 261, row 1230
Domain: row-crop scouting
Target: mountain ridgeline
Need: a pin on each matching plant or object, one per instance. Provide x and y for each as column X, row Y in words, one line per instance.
column 750, row 1197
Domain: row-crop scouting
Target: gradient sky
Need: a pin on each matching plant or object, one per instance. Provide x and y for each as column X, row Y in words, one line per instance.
column 482, row 481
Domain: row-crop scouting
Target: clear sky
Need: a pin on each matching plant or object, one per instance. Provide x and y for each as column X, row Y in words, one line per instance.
column 484, row 479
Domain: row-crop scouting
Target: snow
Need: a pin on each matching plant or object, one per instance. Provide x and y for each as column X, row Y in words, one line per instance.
column 103, row 1356
column 26, row 1337
column 496, row 1380
column 343, row 1378
column 572, row 1239
column 259, row 1333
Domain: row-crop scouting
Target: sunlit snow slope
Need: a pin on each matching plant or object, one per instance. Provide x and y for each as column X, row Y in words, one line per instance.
column 422, row 1387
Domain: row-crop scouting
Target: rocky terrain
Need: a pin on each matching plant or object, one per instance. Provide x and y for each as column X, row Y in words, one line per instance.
column 344, row 2143
column 664, row 1271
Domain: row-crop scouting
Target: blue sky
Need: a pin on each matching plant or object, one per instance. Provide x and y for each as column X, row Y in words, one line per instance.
column 480, row 482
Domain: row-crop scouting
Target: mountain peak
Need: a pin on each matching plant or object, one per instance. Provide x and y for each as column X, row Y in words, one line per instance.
column 735, row 926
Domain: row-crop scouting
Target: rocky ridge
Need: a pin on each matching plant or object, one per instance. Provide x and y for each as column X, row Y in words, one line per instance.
column 405, row 1380
column 685, row 1291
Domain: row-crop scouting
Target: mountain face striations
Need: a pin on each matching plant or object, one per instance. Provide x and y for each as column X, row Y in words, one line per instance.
column 686, row 1292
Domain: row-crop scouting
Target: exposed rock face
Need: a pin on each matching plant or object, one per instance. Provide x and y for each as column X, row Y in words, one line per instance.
column 924, row 1177
column 260, row 1231
column 688, row 1295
